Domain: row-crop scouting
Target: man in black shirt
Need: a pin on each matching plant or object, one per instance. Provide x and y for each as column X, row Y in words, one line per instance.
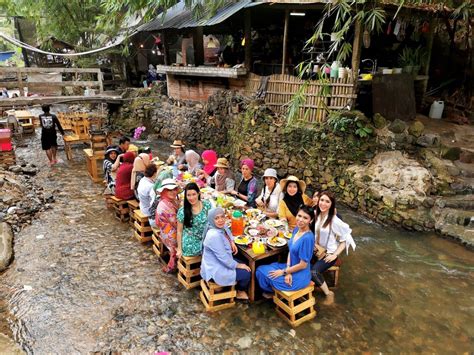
column 49, row 122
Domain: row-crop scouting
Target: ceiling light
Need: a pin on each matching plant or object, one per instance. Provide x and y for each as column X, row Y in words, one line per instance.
column 297, row 14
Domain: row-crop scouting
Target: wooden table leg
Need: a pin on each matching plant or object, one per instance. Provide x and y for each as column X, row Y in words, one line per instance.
column 252, row 281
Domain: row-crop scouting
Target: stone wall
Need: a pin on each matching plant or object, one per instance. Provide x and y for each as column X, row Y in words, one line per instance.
column 395, row 175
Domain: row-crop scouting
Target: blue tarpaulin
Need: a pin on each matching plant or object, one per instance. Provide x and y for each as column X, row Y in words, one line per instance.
column 6, row 55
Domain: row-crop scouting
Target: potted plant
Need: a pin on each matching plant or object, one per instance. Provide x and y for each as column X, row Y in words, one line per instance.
column 405, row 60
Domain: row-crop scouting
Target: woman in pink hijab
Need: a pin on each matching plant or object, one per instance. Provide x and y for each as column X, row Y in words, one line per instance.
column 209, row 159
column 139, row 165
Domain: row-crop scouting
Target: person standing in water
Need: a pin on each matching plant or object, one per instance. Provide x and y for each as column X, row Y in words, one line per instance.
column 49, row 143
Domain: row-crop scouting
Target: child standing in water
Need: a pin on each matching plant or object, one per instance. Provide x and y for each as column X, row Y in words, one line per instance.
column 49, row 143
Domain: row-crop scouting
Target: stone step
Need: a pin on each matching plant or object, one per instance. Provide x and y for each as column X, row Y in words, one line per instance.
column 463, row 186
column 464, row 202
column 465, row 169
column 465, row 235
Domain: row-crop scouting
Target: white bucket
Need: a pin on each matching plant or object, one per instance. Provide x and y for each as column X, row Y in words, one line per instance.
column 436, row 109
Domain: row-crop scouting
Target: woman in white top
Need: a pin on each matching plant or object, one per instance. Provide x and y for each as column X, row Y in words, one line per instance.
column 271, row 194
column 332, row 237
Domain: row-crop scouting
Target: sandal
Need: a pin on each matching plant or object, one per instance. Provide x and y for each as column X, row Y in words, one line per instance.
column 242, row 296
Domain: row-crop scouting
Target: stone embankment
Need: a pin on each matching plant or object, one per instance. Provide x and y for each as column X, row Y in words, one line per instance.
column 398, row 174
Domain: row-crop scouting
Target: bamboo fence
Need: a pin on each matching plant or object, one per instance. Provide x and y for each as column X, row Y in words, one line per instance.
column 320, row 95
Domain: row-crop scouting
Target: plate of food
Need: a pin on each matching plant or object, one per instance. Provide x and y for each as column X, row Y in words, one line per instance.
column 284, row 234
column 274, row 223
column 253, row 232
column 239, row 203
column 242, row 240
column 254, row 213
column 276, row 242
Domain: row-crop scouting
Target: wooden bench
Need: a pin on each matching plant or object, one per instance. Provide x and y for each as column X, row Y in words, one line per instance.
column 189, row 271
column 215, row 297
column 133, row 205
column 69, row 140
column 120, row 209
column 143, row 231
column 295, row 307
column 159, row 248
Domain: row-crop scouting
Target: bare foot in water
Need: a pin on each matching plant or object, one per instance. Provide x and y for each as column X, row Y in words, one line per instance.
column 329, row 299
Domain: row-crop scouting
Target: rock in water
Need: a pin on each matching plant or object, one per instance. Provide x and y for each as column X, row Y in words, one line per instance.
column 6, row 245
column 244, row 342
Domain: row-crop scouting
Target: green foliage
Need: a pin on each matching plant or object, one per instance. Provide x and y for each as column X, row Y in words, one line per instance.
column 345, row 122
column 413, row 56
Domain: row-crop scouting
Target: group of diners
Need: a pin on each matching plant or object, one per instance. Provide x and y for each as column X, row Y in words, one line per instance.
column 191, row 226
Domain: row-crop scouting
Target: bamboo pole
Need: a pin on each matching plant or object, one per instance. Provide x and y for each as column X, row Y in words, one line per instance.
column 285, row 40
column 248, row 39
column 356, row 52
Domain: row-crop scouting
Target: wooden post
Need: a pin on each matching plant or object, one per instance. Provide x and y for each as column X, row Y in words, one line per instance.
column 198, row 44
column 356, row 51
column 100, row 80
column 248, row 39
column 285, row 40
column 20, row 82
column 429, row 48
column 166, row 51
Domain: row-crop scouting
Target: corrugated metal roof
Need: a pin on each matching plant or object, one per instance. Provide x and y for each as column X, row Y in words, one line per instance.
column 179, row 16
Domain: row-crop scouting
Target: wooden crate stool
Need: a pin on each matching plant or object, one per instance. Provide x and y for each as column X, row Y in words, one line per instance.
column 92, row 163
column 132, row 206
column 143, row 231
column 189, row 271
column 215, row 297
column 28, row 128
column 295, row 307
column 109, row 203
column 159, row 248
column 120, row 209
column 98, row 143
column 331, row 276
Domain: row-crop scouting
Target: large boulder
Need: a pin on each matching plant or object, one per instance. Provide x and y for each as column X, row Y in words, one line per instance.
column 6, row 245
column 451, row 153
column 379, row 121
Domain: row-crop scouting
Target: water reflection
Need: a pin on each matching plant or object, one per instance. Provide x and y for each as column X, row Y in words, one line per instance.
column 91, row 287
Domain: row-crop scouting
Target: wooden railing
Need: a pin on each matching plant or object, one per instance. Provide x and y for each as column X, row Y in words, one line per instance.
column 320, row 96
column 20, row 78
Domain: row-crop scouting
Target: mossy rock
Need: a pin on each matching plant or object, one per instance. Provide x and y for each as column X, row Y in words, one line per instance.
column 379, row 121
column 397, row 126
column 416, row 128
column 451, row 153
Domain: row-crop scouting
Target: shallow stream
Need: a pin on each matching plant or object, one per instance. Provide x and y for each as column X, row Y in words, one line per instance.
column 80, row 283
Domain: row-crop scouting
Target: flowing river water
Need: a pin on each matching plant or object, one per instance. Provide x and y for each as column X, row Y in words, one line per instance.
column 81, row 283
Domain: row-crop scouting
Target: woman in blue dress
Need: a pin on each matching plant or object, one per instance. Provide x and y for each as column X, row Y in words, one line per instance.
column 296, row 273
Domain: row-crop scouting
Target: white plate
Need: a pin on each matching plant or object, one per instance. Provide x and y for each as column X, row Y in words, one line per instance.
column 281, row 242
column 239, row 203
column 242, row 240
column 273, row 223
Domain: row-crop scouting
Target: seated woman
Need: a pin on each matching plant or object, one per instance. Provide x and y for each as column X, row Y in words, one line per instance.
column 223, row 180
column 293, row 197
column 165, row 219
column 332, row 237
column 192, row 161
column 217, row 262
column 124, row 175
column 110, row 157
column 192, row 219
column 295, row 274
column 209, row 159
column 139, row 165
column 146, row 192
column 271, row 194
column 247, row 189
column 177, row 159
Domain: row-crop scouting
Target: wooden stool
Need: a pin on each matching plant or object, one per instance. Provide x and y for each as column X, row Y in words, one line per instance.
column 92, row 162
column 295, row 307
column 189, row 271
column 133, row 205
column 331, row 276
column 121, row 209
column 159, row 248
column 109, row 203
column 215, row 297
column 28, row 128
column 143, row 231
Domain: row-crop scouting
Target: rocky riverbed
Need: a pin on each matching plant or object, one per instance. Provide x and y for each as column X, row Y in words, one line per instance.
column 80, row 283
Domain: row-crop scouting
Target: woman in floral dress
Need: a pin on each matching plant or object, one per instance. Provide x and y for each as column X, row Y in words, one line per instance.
column 166, row 219
column 192, row 219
